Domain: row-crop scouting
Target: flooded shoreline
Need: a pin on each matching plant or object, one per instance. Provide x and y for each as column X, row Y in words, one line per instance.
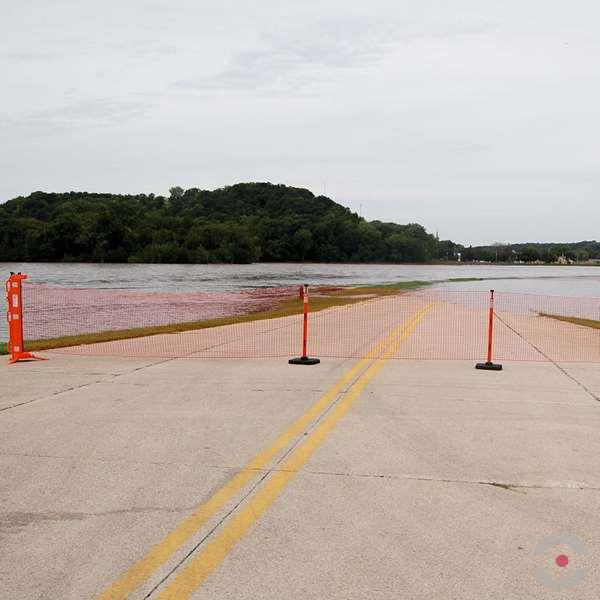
column 545, row 279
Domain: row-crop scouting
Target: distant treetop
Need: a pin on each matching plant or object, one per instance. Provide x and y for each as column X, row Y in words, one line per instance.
column 242, row 223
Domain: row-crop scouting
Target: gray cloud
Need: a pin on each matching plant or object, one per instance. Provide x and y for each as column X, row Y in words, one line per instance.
column 25, row 56
column 91, row 113
column 97, row 110
column 477, row 119
column 304, row 58
column 145, row 48
column 290, row 63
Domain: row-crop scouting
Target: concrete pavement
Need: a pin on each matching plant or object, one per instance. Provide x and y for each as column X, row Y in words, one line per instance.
column 439, row 481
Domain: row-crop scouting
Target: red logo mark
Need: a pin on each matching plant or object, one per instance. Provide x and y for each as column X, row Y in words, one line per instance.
column 562, row 560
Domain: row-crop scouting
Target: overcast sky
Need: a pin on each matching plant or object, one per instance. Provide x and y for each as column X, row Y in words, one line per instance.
column 479, row 118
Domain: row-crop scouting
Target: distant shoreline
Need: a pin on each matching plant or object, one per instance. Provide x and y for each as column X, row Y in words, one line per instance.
column 306, row 262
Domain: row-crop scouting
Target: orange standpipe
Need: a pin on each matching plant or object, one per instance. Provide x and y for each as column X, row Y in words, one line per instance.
column 489, row 365
column 14, row 316
column 304, row 359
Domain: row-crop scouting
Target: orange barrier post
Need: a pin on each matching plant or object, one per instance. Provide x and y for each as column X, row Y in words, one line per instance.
column 489, row 365
column 304, row 359
column 14, row 316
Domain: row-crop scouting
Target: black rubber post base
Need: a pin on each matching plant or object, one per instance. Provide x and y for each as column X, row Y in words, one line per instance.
column 488, row 366
column 304, row 360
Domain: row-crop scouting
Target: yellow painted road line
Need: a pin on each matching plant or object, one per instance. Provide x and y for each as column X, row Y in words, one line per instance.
column 209, row 558
column 140, row 571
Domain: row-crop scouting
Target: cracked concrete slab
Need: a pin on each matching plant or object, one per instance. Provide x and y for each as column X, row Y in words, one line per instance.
column 440, row 482
column 353, row 538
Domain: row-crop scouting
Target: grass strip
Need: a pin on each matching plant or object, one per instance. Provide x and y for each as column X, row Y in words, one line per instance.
column 575, row 320
column 372, row 290
column 322, row 298
column 463, row 279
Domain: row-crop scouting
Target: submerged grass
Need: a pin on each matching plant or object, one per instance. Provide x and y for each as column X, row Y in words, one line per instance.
column 321, row 299
column 385, row 289
column 575, row 320
column 462, row 279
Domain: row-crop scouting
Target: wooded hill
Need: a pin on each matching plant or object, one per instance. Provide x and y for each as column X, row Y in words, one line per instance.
column 241, row 223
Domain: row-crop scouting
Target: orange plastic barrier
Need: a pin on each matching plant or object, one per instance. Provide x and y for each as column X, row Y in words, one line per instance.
column 489, row 365
column 14, row 316
column 304, row 359
column 172, row 324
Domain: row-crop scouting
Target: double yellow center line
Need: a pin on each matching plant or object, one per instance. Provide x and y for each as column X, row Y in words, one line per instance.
column 210, row 556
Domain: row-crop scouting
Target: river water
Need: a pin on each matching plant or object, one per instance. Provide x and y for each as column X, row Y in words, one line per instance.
column 551, row 280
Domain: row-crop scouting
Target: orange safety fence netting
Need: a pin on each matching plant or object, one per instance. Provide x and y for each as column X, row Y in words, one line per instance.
column 454, row 326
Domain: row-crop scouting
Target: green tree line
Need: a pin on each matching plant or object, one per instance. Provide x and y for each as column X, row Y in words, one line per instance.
column 534, row 252
column 243, row 223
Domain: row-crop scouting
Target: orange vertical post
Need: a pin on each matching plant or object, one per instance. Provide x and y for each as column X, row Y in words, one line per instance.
column 305, row 324
column 489, row 365
column 304, row 359
column 490, row 327
column 14, row 316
